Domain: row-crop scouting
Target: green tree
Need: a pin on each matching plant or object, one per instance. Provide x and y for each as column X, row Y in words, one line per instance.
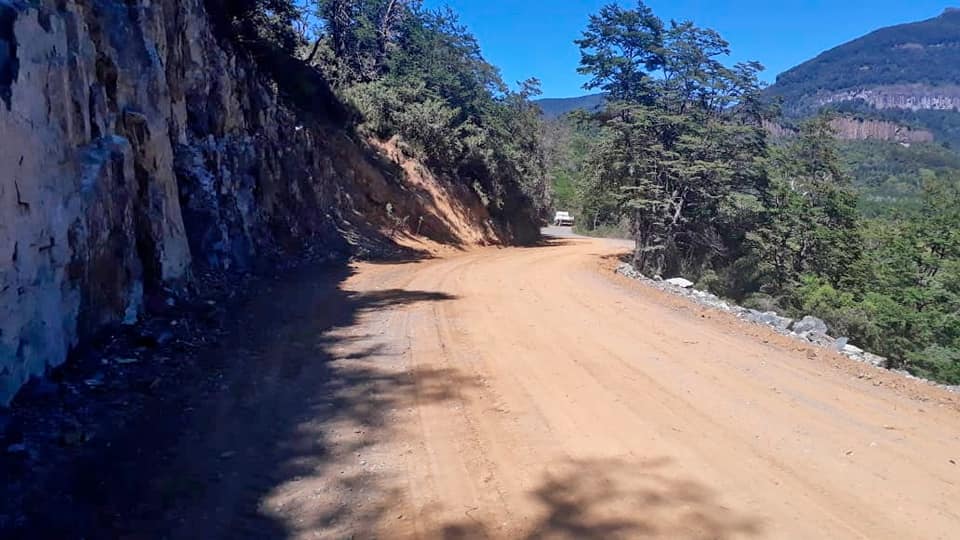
column 619, row 50
column 681, row 142
column 567, row 142
column 680, row 152
column 362, row 34
column 917, row 267
column 812, row 224
column 258, row 24
column 419, row 74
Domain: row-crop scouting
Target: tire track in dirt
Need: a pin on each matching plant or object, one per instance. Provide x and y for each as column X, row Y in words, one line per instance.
column 530, row 393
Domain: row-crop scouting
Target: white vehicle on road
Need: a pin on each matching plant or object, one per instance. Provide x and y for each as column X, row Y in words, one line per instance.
column 563, row 219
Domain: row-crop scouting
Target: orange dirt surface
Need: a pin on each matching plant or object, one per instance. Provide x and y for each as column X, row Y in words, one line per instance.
column 547, row 399
column 531, row 393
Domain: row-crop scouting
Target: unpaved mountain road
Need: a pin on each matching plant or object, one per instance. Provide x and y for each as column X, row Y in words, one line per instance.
column 529, row 393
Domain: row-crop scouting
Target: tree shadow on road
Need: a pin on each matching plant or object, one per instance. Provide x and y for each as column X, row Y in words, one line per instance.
column 611, row 498
column 294, row 394
column 279, row 433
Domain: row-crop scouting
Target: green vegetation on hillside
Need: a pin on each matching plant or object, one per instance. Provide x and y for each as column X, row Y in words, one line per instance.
column 567, row 142
column 419, row 74
column 890, row 176
column 915, row 57
column 681, row 157
column 415, row 73
column 680, row 145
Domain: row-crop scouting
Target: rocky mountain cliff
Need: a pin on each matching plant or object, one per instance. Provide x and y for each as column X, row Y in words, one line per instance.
column 137, row 146
column 849, row 128
column 911, row 97
column 905, row 75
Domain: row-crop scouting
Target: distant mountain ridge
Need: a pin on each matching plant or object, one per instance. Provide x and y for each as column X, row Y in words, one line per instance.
column 908, row 75
column 925, row 53
column 556, row 107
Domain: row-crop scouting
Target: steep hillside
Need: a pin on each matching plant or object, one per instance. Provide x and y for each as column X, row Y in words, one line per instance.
column 556, row 107
column 912, row 66
column 906, row 75
column 139, row 146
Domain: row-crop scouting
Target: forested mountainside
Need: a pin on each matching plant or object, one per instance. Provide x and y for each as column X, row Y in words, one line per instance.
column 894, row 96
column 907, row 74
column 865, row 234
column 919, row 62
column 144, row 142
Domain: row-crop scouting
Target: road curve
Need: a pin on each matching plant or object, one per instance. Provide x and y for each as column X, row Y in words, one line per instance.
column 520, row 393
column 550, row 399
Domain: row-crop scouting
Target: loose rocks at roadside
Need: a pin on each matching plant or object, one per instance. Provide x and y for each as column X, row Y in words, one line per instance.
column 809, row 329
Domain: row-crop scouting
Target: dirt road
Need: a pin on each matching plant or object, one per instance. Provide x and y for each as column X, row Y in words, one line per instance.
column 529, row 393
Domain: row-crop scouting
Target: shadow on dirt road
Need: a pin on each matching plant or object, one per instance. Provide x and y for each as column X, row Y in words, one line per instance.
column 592, row 499
column 199, row 464
column 286, row 426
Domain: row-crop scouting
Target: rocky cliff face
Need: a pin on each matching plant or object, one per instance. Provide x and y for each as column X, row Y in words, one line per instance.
column 905, row 74
column 914, row 97
column 858, row 129
column 135, row 147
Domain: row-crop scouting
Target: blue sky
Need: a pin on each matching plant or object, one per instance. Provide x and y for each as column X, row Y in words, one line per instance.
column 534, row 38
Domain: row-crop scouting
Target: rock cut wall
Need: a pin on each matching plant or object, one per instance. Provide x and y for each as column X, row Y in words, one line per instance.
column 134, row 147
